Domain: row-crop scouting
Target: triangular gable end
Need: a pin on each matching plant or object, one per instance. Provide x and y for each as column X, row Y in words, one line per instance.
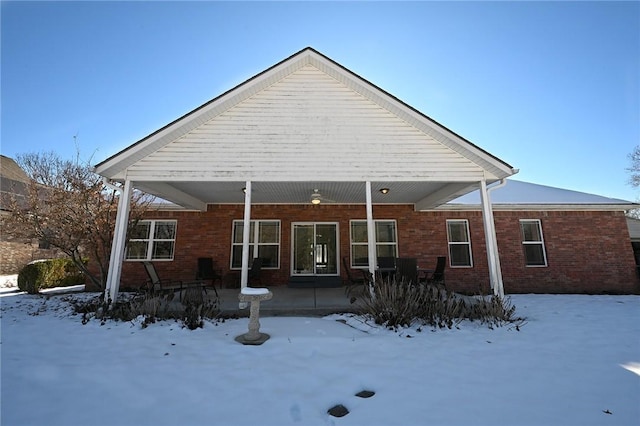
column 362, row 119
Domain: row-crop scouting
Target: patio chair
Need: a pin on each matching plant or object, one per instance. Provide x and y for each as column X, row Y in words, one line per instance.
column 353, row 281
column 386, row 266
column 156, row 285
column 436, row 277
column 207, row 272
column 255, row 271
column 355, row 286
column 407, row 270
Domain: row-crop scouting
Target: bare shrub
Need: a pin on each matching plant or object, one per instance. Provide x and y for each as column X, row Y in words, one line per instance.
column 191, row 312
column 399, row 304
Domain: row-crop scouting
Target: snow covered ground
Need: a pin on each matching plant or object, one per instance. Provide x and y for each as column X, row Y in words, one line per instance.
column 575, row 362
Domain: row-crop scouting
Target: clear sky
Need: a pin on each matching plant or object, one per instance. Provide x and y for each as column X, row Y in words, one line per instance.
column 552, row 88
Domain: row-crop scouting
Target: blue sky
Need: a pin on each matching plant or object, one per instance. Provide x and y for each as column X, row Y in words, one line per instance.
column 552, row 88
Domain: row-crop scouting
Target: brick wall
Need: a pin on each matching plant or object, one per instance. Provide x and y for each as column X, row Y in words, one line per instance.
column 14, row 255
column 586, row 251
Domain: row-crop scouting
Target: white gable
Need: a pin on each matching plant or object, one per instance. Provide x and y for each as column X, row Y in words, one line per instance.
column 304, row 126
column 306, row 119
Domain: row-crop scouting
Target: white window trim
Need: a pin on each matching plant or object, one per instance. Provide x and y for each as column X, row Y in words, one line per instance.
column 351, row 243
column 255, row 243
column 467, row 243
column 151, row 240
column 541, row 242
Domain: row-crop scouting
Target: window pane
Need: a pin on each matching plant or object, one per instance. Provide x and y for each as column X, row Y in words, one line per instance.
column 359, row 232
column 534, row 254
column 236, row 256
column 269, row 255
column 359, row 255
column 165, row 231
column 386, row 250
column 141, row 231
column 238, row 228
column 137, row 250
column 531, row 231
column 269, row 232
column 457, row 232
column 385, row 232
column 459, row 254
column 163, row 250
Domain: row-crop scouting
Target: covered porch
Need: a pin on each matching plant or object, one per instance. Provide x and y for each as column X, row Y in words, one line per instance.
column 309, row 135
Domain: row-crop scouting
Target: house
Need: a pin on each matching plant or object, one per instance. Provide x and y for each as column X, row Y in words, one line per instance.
column 16, row 253
column 307, row 163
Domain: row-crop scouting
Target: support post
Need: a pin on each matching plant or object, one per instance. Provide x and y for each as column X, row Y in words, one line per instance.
column 246, row 235
column 119, row 241
column 493, row 257
column 371, row 234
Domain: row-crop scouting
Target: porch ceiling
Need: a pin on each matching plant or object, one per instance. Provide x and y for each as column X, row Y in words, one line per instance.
column 422, row 194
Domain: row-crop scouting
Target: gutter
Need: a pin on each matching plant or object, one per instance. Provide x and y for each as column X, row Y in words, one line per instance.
column 111, row 186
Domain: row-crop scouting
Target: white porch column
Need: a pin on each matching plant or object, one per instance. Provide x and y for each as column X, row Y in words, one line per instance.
column 493, row 258
column 371, row 233
column 119, row 241
column 246, row 235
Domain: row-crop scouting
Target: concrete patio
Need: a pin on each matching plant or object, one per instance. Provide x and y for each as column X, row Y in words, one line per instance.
column 288, row 301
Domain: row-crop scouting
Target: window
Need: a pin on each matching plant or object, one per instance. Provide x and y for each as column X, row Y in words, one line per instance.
column 264, row 238
column 386, row 241
column 533, row 243
column 459, row 243
column 152, row 240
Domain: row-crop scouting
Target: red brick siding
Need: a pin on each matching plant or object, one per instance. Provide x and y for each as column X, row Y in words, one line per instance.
column 586, row 251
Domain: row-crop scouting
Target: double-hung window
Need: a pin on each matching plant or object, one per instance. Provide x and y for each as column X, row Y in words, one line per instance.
column 152, row 240
column 386, row 241
column 459, row 243
column 533, row 242
column 264, row 240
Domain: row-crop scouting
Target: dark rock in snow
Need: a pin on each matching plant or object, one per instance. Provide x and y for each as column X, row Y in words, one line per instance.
column 338, row 411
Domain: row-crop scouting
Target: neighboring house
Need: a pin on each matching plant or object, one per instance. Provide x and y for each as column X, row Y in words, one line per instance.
column 14, row 254
column 634, row 233
column 307, row 163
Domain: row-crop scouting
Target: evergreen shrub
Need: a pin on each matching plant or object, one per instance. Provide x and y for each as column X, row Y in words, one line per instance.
column 47, row 274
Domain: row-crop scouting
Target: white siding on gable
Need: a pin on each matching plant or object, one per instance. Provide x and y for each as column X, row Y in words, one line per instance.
column 306, row 126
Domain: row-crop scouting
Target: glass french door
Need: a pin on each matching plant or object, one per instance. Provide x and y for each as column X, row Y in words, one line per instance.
column 315, row 248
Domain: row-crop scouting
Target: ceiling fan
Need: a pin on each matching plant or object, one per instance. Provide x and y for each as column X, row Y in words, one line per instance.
column 317, row 198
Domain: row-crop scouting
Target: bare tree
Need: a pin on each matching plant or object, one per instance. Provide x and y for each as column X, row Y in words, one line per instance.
column 634, row 179
column 68, row 206
column 634, row 168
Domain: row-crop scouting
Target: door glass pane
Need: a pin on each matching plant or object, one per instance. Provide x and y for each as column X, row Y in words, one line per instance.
column 303, row 259
column 325, row 249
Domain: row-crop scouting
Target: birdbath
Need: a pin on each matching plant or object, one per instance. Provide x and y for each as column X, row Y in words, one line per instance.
column 254, row 296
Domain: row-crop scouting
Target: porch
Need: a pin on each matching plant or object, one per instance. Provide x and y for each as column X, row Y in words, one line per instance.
column 288, row 301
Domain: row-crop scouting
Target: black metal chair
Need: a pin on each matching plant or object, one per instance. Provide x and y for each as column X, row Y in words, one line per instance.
column 355, row 286
column 207, row 272
column 254, row 272
column 156, row 285
column 407, row 270
column 436, row 277
column 386, row 266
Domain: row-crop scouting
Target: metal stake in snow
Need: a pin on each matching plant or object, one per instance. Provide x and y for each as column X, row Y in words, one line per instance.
column 254, row 295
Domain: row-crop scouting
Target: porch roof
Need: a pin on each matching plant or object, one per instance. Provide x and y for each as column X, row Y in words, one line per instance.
column 305, row 123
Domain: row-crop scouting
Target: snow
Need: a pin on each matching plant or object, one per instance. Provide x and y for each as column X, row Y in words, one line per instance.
column 253, row 291
column 519, row 192
column 576, row 361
